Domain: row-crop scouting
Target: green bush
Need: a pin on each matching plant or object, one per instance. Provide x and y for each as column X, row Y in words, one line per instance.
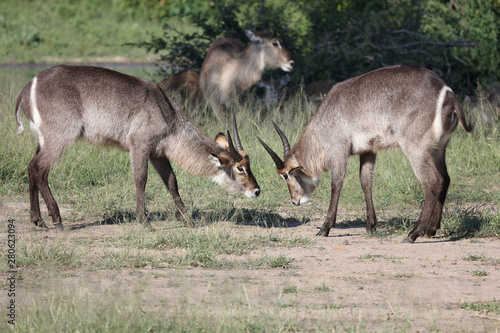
column 335, row 40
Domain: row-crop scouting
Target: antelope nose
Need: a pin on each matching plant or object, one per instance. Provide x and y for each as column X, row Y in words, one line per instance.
column 292, row 63
column 257, row 192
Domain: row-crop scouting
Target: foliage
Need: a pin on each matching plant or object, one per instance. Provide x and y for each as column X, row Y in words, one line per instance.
column 186, row 49
column 334, row 40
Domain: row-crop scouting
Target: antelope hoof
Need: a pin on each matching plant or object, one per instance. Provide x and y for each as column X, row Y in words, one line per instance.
column 186, row 220
column 323, row 232
column 430, row 233
column 407, row 240
column 41, row 224
column 58, row 226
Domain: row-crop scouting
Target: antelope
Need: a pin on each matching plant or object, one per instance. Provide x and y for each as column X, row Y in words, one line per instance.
column 230, row 68
column 187, row 83
column 104, row 107
column 407, row 107
column 315, row 90
column 486, row 104
column 274, row 91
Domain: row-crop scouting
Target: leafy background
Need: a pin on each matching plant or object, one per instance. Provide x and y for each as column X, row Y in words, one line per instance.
column 329, row 39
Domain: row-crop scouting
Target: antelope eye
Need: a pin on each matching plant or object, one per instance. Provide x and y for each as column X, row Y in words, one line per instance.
column 284, row 176
column 276, row 44
column 240, row 169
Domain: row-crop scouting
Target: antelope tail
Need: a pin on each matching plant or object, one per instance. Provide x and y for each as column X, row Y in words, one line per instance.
column 19, row 107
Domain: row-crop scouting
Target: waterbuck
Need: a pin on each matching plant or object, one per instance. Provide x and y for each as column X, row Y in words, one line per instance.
column 486, row 104
column 230, row 68
column 187, row 84
column 66, row 103
column 398, row 106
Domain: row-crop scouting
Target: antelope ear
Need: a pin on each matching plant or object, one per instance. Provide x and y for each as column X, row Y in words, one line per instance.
column 252, row 36
column 221, row 140
column 219, row 161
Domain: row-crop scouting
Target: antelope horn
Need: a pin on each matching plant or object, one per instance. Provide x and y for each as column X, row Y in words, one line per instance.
column 234, row 154
column 237, row 141
column 277, row 160
column 286, row 144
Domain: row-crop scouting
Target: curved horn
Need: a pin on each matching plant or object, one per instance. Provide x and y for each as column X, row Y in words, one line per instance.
column 234, row 154
column 286, row 144
column 237, row 141
column 277, row 160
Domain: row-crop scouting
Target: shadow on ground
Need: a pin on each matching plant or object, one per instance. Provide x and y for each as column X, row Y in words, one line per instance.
column 250, row 217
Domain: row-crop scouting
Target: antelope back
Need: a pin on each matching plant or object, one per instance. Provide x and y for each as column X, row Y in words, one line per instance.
column 187, row 83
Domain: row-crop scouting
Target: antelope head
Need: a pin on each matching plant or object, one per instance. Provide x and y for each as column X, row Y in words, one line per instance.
column 300, row 184
column 237, row 175
column 274, row 55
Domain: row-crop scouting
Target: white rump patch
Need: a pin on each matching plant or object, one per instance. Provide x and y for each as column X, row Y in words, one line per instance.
column 20, row 127
column 437, row 125
column 36, row 120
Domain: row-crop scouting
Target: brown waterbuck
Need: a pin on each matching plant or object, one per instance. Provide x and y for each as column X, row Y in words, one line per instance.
column 104, row 107
column 407, row 107
column 231, row 68
column 187, row 84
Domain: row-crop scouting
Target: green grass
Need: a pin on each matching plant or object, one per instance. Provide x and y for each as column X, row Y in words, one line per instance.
column 59, row 31
column 493, row 306
column 75, row 311
column 47, row 254
column 479, row 273
column 209, row 247
column 475, row 257
column 376, row 256
column 322, row 289
column 291, row 290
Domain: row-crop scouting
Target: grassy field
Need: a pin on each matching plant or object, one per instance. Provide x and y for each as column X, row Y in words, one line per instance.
column 94, row 188
column 83, row 31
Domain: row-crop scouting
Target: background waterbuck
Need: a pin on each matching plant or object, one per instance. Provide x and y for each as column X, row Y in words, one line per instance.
column 65, row 103
column 230, row 68
column 407, row 107
column 187, row 84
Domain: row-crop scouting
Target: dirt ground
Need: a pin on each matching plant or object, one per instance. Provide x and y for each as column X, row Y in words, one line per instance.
column 345, row 280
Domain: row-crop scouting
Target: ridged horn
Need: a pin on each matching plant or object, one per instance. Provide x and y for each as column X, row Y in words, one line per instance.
column 237, row 141
column 234, row 153
column 286, row 144
column 277, row 160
